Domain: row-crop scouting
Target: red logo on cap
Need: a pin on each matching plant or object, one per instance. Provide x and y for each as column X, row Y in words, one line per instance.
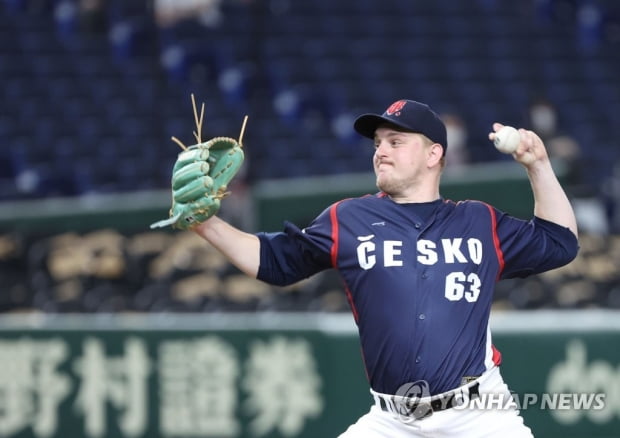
column 395, row 108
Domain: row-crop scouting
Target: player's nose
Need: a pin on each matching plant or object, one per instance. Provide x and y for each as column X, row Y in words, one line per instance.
column 380, row 148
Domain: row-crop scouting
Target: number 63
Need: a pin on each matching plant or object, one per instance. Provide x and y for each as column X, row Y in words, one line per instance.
column 459, row 285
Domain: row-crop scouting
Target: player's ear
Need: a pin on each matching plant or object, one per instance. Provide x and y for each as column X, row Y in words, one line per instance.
column 435, row 154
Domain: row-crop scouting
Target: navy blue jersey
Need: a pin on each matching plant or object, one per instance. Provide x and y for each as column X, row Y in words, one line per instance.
column 419, row 281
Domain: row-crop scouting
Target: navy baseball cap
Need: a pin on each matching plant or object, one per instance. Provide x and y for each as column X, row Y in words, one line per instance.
column 410, row 116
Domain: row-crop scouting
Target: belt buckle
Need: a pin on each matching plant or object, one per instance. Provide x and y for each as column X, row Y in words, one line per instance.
column 416, row 410
column 421, row 411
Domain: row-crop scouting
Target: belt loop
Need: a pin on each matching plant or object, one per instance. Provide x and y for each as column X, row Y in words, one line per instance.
column 382, row 401
column 375, row 396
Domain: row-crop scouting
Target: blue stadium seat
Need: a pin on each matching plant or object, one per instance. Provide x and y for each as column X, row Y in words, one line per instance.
column 336, row 57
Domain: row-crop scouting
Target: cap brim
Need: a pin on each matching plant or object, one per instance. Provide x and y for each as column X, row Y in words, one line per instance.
column 367, row 124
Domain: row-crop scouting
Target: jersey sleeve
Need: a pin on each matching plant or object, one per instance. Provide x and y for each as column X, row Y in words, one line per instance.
column 532, row 247
column 294, row 254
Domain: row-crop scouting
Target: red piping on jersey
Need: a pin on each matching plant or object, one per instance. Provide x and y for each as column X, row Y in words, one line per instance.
column 333, row 217
column 498, row 248
column 352, row 304
column 497, row 356
column 364, row 362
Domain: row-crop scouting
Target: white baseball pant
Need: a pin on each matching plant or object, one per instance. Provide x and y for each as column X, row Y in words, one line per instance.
column 474, row 420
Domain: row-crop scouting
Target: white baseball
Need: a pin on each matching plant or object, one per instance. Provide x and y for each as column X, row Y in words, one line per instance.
column 507, row 140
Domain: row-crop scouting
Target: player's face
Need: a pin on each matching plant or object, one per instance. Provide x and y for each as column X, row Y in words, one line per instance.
column 401, row 160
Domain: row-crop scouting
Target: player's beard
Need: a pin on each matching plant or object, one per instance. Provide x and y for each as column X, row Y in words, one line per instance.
column 400, row 184
column 397, row 180
column 387, row 183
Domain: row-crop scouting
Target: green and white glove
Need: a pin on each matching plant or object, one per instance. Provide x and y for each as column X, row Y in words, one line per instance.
column 200, row 177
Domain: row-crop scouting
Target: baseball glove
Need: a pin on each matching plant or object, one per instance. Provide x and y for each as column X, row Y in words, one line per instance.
column 200, row 177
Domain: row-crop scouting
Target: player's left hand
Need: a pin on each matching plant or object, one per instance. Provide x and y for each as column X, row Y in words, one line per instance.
column 531, row 149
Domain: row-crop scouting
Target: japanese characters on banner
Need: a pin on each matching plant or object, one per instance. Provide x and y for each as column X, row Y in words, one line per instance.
column 178, row 378
column 198, row 386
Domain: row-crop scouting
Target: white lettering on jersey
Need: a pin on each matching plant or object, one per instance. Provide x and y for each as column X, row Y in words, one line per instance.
column 458, row 285
column 452, row 250
column 426, row 252
column 474, row 247
column 365, row 260
column 391, row 248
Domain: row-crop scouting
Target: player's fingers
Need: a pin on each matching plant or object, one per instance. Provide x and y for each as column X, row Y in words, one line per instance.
column 524, row 134
column 528, row 140
column 531, row 148
column 522, row 147
column 535, row 138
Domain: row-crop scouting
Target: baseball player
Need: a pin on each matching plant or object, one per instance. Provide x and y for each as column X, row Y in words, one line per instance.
column 419, row 272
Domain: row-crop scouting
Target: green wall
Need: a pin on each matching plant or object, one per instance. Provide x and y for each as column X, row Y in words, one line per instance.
column 502, row 184
column 266, row 375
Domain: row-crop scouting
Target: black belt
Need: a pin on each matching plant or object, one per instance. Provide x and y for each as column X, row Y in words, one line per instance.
column 419, row 410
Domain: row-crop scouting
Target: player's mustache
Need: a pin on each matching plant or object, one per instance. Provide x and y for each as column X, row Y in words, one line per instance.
column 380, row 161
